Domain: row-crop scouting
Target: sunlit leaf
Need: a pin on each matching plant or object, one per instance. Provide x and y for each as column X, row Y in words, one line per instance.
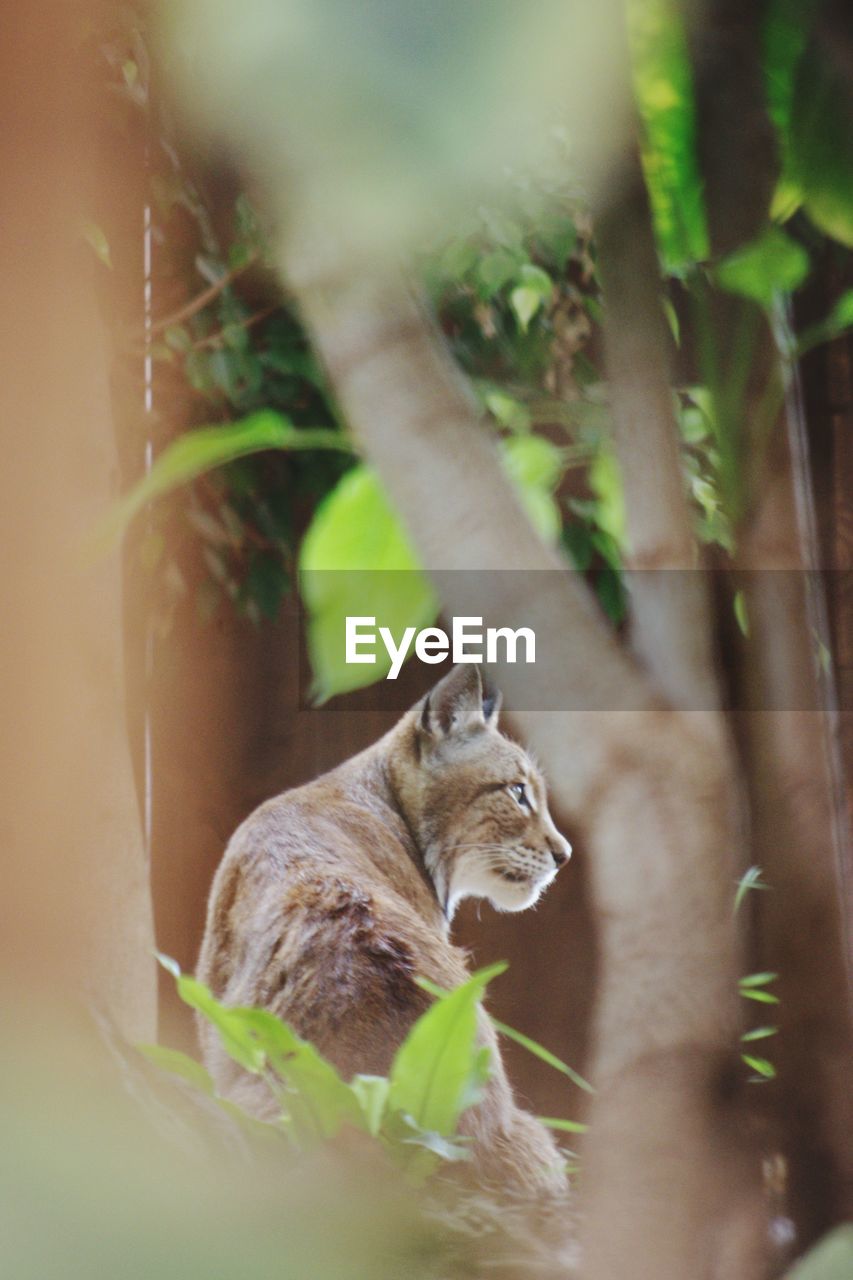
column 759, row 1033
column 356, row 560
column 663, row 87
column 758, row 979
column 760, row 1065
column 759, row 996
column 773, row 264
column 433, row 1068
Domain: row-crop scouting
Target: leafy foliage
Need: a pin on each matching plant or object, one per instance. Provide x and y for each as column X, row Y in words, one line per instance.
column 516, row 294
column 356, row 559
column 438, row 1072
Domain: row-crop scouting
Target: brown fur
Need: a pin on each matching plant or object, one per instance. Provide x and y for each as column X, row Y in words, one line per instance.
column 331, row 898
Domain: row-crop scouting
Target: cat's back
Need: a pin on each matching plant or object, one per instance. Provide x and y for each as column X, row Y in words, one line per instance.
column 319, row 912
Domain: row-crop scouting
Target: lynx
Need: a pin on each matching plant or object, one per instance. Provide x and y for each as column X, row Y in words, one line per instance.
column 333, row 897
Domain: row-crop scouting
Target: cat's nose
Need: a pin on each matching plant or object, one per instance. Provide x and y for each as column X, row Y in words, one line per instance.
column 561, row 851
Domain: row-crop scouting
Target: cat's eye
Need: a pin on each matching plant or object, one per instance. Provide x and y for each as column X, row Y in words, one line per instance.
column 519, row 792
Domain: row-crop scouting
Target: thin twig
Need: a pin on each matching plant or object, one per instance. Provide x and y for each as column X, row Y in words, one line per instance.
column 200, row 301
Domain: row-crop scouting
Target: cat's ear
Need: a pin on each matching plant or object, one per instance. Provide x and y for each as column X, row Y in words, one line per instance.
column 460, row 702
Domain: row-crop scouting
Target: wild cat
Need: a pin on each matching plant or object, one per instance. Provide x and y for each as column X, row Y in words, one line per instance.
column 333, row 897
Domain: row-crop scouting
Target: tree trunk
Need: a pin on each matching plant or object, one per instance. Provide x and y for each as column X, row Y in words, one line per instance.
column 76, row 908
column 667, row 1010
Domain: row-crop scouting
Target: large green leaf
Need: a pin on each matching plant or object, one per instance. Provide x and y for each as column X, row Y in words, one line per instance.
column 356, row 560
column 663, row 88
column 196, row 452
column 237, row 1039
column 318, row 1101
column 773, row 264
column 831, row 1259
column 820, row 142
column 439, row 1066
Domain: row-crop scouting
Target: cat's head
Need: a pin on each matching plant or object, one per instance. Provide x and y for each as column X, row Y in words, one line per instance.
column 476, row 801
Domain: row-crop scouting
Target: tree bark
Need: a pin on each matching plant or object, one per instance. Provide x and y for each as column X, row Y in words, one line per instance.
column 75, row 905
column 651, row 788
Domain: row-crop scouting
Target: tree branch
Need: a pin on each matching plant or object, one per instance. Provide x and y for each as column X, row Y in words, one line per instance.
column 671, row 615
column 668, row 987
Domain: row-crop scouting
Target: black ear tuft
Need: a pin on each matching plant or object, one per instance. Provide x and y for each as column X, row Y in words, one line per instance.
column 492, row 699
column 426, row 715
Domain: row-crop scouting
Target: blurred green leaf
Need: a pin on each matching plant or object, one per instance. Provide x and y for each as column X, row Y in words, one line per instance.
column 96, row 239
column 178, row 1064
column 830, row 1259
column 758, row 979
column 663, row 88
column 759, row 996
column 434, row 1069
column 372, row 1095
column 356, row 560
column 534, row 292
column 749, row 881
column 496, row 270
column 821, row 142
column 771, row 265
column 605, row 480
column 760, row 1065
column 198, row 451
column 564, row 1126
column 759, row 1033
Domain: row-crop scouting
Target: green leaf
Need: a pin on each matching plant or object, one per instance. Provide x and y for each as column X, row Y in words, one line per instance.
column 760, row 1065
column 578, row 542
column 535, row 291
column 198, row 451
column 96, row 239
column 663, row 88
column 356, row 560
column 507, row 411
column 771, row 265
column 821, row 142
column 759, row 1033
column 564, row 1126
column 319, row 1102
column 179, row 1064
column 758, row 979
column 605, row 481
column 830, row 1259
column 742, row 619
column 749, row 881
column 496, row 270
column 372, row 1095
column 539, row 1051
column 760, row 997
column 237, row 1040
column 433, row 1069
